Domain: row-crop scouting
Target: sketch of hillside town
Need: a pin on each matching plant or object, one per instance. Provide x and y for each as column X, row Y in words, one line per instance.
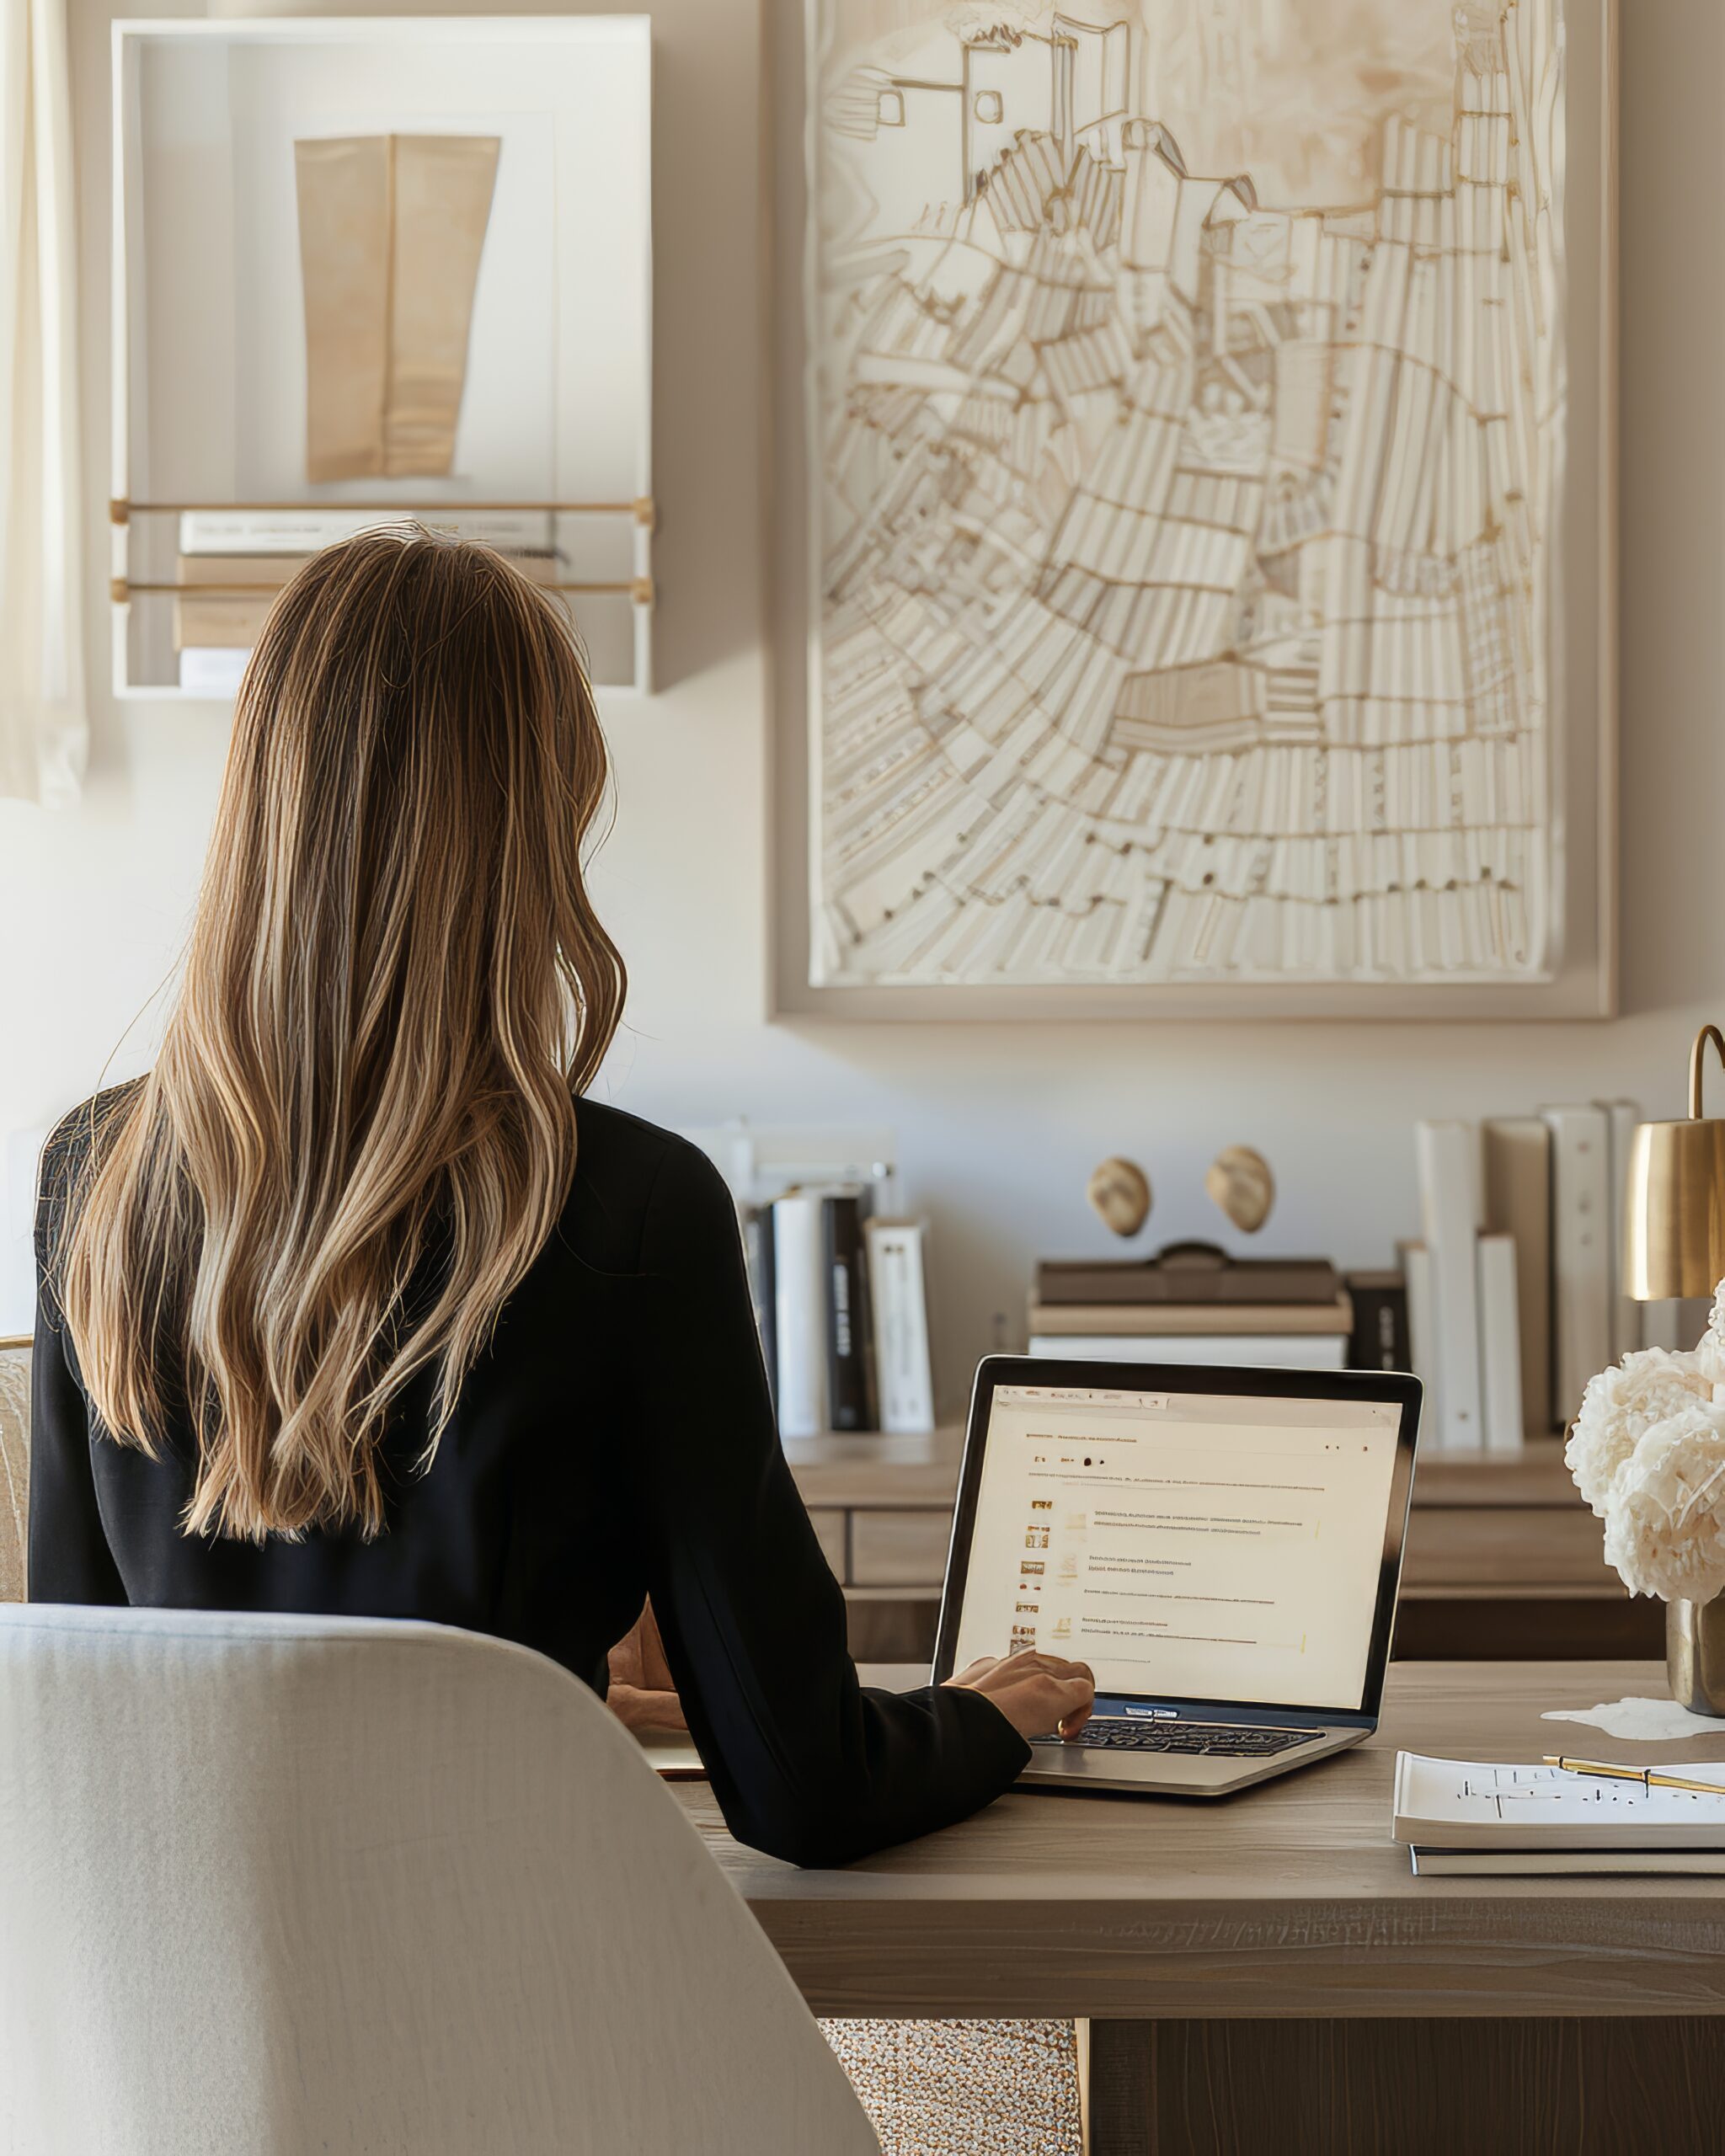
column 1186, row 556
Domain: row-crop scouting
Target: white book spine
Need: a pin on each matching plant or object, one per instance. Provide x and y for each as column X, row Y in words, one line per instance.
column 899, row 1296
column 1423, row 1334
column 1449, row 1196
column 799, row 1312
column 1581, row 1239
column 1518, row 1164
column 1621, row 1117
column 1500, row 1344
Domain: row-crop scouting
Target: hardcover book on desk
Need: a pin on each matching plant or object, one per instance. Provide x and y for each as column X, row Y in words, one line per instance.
column 799, row 1306
column 1581, row 1251
column 850, row 1386
column 1518, row 1195
column 899, row 1303
column 1449, row 1201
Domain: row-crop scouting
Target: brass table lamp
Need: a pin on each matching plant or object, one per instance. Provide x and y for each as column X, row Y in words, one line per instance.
column 1675, row 1217
column 1674, row 1245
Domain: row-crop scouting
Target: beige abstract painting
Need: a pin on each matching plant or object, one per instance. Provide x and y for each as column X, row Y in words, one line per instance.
column 392, row 228
column 1188, row 433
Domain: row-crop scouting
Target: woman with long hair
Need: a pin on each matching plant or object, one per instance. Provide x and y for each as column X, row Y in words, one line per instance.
column 357, row 1304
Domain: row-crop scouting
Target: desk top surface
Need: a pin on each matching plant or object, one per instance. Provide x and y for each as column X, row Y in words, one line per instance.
column 1288, row 1898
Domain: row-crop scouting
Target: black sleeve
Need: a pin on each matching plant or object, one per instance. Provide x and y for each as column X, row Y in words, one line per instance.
column 69, row 1557
column 806, row 1764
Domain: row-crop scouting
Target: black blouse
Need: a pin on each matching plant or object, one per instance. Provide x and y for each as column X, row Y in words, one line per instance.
column 615, row 1440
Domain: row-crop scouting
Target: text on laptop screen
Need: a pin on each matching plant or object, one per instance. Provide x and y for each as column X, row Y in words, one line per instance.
column 1186, row 1545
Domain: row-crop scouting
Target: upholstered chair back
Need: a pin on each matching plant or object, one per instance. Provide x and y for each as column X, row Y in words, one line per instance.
column 282, row 1884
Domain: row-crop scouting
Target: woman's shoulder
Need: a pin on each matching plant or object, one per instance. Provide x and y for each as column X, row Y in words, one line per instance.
column 629, row 1171
column 71, row 1142
column 625, row 1150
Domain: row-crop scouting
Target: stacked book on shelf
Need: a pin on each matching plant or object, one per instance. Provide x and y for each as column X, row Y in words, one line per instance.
column 841, row 1305
column 233, row 563
column 1193, row 1304
column 1515, row 1288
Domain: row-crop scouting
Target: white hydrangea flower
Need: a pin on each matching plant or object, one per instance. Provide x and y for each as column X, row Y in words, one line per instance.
column 1619, row 1405
column 1665, row 1517
column 1709, row 1351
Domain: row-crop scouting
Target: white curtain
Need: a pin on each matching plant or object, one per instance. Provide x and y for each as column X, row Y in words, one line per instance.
column 42, row 725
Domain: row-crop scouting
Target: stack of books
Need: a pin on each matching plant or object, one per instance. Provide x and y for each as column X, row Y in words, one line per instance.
column 1193, row 1304
column 842, row 1309
column 1515, row 1292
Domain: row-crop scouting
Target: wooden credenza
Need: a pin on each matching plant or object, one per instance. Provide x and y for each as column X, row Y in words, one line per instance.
column 1503, row 1560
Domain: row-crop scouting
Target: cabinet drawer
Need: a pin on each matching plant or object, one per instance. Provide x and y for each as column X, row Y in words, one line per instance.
column 899, row 1549
column 830, row 1528
column 1518, row 1548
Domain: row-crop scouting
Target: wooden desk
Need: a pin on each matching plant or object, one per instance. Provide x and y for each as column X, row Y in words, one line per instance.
column 1265, row 1974
column 1502, row 1556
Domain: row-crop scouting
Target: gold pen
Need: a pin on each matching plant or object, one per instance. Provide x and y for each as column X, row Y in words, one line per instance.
column 1648, row 1777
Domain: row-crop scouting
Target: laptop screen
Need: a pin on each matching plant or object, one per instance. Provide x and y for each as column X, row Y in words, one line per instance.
column 1200, row 1546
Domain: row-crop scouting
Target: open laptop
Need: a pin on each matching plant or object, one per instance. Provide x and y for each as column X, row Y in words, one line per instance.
column 1221, row 1545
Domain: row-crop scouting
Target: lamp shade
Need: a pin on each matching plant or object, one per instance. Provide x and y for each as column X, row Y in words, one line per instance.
column 1675, row 1207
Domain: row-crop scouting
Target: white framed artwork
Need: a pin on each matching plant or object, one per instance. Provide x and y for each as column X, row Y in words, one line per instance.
column 369, row 269
column 1206, row 452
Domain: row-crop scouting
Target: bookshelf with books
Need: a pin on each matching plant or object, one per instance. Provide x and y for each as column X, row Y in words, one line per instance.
column 840, row 1301
column 837, row 1277
column 1515, row 1288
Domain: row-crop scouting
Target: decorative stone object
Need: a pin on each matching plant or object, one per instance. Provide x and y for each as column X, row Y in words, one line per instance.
column 1240, row 1181
column 1119, row 1190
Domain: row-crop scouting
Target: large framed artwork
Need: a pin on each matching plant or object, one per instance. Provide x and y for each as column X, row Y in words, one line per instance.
column 1204, row 462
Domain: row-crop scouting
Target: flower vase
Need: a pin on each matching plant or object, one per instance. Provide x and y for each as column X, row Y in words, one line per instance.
column 1694, row 1654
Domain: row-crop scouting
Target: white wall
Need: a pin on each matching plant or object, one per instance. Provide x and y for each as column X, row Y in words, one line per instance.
column 999, row 1124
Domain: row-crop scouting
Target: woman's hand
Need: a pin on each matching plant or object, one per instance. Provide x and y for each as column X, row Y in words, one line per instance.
column 643, row 1692
column 1036, row 1692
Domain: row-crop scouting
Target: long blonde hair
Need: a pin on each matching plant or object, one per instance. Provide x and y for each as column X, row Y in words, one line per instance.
column 361, row 1127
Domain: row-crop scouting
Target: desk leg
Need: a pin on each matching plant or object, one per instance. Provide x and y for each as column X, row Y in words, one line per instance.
column 1402, row 2088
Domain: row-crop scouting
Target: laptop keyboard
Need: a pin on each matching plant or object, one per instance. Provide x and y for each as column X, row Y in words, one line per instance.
column 1210, row 1740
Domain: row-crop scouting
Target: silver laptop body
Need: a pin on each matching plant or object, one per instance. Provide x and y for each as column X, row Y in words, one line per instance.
column 1128, row 1516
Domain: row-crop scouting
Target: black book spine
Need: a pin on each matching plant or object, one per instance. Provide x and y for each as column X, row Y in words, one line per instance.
column 763, row 1288
column 846, row 1313
column 1379, row 1341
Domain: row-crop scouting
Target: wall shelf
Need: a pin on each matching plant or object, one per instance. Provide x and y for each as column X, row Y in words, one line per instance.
column 547, row 436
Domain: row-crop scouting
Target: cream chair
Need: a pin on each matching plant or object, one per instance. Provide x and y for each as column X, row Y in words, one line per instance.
column 966, row 2088
column 281, row 1884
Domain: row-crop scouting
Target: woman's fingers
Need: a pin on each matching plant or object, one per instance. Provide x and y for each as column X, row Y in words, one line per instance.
column 1074, row 1719
column 638, row 1709
column 641, row 1691
column 975, row 1670
column 1037, row 1692
column 1070, row 1701
column 654, row 1667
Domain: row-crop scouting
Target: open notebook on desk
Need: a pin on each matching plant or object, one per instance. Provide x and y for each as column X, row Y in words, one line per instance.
column 1470, row 1815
